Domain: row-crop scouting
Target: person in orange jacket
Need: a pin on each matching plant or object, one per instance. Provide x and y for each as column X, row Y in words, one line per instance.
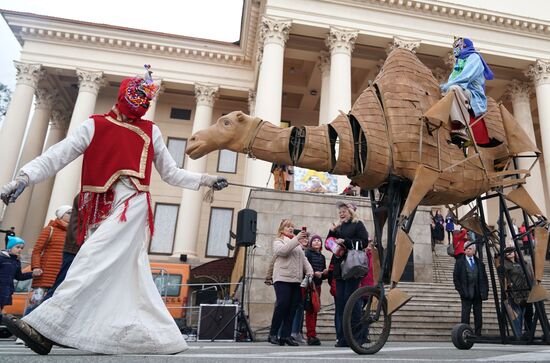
column 47, row 255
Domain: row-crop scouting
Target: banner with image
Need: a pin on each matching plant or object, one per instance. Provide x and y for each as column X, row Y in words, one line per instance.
column 307, row 180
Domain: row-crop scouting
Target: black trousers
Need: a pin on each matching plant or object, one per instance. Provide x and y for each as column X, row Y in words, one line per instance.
column 465, row 314
column 288, row 296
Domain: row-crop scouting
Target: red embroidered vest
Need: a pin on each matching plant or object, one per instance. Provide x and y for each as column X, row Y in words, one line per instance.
column 118, row 149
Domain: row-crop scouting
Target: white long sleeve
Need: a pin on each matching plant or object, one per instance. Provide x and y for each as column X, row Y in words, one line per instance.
column 65, row 151
column 61, row 154
column 167, row 167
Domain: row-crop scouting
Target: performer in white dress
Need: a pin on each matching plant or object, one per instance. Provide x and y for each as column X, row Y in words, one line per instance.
column 108, row 302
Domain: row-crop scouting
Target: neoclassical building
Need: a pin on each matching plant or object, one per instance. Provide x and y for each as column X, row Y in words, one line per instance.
column 297, row 62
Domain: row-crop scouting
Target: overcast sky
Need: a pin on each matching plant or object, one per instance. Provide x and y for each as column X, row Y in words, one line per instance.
column 210, row 19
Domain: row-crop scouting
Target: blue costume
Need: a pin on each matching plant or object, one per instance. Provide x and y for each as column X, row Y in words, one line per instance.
column 470, row 72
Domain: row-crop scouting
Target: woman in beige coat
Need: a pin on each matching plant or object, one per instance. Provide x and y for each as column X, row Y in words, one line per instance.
column 288, row 271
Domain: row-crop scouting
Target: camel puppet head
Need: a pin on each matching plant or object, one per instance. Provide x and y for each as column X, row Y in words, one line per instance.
column 231, row 132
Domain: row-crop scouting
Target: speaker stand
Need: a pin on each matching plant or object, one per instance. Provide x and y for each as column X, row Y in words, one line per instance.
column 244, row 332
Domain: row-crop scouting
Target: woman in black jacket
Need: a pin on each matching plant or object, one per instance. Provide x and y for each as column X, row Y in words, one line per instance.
column 350, row 233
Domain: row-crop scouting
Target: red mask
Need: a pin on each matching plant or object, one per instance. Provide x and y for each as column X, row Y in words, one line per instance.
column 134, row 97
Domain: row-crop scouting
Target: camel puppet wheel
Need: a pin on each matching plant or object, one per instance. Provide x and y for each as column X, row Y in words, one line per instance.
column 460, row 336
column 366, row 325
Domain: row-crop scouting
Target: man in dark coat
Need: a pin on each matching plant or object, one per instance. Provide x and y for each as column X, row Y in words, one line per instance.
column 470, row 280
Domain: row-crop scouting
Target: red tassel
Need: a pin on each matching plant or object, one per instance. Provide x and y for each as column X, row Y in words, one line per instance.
column 151, row 217
column 123, row 214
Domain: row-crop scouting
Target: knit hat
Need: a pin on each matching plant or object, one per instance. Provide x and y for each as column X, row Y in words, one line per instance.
column 313, row 236
column 60, row 212
column 14, row 241
column 348, row 205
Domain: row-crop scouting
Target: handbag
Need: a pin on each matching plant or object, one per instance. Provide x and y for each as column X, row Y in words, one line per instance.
column 451, row 249
column 356, row 264
column 312, row 302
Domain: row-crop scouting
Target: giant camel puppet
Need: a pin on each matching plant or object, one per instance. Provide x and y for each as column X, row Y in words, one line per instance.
column 396, row 139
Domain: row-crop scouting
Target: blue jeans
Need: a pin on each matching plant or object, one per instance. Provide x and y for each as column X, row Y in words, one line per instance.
column 344, row 289
column 67, row 261
column 298, row 321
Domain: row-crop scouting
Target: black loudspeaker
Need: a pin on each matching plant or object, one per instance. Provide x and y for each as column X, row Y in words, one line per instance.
column 217, row 322
column 207, row 296
column 246, row 227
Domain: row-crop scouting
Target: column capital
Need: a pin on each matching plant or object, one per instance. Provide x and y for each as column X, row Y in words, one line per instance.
column 539, row 72
column 408, row 44
column 274, row 30
column 379, row 65
column 45, row 98
column 519, row 91
column 28, row 73
column 59, row 119
column 441, row 75
column 449, row 60
column 206, row 94
column 89, row 81
column 251, row 101
column 162, row 86
column 324, row 62
column 341, row 40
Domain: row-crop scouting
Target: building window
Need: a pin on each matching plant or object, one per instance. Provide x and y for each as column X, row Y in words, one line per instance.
column 176, row 147
column 284, row 124
column 227, row 161
column 180, row 113
column 166, row 218
column 221, row 220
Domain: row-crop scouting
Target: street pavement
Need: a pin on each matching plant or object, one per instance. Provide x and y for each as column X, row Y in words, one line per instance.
column 217, row 352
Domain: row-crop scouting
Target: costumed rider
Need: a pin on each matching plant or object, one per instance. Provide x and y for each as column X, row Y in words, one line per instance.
column 468, row 81
column 109, row 303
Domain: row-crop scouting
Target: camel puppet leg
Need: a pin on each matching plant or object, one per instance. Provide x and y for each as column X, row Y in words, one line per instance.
column 538, row 292
column 422, row 183
column 521, row 197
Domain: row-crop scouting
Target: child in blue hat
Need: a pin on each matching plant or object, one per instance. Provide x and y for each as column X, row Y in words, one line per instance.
column 10, row 269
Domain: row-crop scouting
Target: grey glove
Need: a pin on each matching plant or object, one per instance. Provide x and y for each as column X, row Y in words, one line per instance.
column 13, row 189
column 215, row 182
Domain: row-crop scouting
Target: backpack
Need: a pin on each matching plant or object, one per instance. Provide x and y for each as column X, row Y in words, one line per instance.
column 451, row 249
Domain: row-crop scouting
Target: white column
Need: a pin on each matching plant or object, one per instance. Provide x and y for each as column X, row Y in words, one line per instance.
column 68, row 179
column 251, row 102
column 341, row 43
column 38, row 206
column 189, row 216
column 151, row 111
column 324, row 66
column 540, row 73
column 15, row 123
column 15, row 213
column 274, row 34
column 520, row 95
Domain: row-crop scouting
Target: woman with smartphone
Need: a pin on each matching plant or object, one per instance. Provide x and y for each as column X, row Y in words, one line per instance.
column 288, row 271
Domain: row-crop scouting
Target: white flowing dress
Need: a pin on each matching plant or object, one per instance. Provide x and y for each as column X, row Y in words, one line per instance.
column 108, row 302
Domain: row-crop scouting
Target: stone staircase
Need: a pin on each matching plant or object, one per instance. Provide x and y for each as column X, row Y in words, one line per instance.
column 433, row 310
